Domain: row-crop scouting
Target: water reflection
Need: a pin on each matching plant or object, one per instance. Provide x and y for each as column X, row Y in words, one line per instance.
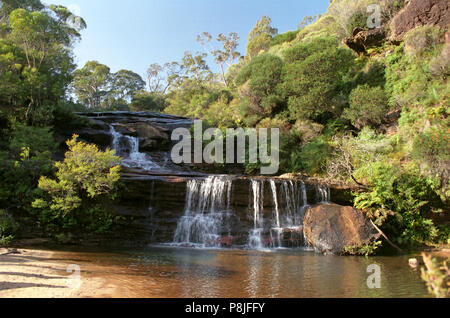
column 177, row 272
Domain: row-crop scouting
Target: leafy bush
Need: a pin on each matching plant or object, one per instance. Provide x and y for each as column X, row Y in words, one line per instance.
column 8, row 227
column 357, row 20
column 314, row 157
column 27, row 158
column 368, row 106
column 86, row 176
column 432, row 148
column 365, row 250
column 284, row 37
column 423, row 38
column 400, row 200
column 258, row 83
column 314, row 85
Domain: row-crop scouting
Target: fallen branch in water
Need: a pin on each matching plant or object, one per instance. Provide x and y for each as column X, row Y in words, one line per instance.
column 387, row 239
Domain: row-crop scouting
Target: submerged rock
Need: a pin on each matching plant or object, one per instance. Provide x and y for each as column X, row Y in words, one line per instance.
column 330, row 228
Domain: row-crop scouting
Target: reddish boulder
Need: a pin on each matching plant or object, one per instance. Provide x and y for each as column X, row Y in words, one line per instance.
column 330, row 228
column 419, row 13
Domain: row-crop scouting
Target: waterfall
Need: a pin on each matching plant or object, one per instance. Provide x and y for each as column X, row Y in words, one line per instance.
column 207, row 212
column 289, row 209
column 128, row 147
column 278, row 231
column 255, row 236
column 323, row 194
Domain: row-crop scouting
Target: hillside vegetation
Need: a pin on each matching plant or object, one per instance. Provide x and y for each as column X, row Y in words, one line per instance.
column 376, row 119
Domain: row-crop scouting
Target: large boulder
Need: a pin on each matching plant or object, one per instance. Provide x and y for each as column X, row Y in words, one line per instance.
column 330, row 228
column 419, row 13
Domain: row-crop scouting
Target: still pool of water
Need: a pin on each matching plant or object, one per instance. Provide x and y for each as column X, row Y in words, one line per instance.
column 178, row 272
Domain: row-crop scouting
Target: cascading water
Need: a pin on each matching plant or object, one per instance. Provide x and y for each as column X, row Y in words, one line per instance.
column 210, row 218
column 207, row 213
column 290, row 203
column 277, row 231
column 323, row 193
column 128, row 148
column 255, row 236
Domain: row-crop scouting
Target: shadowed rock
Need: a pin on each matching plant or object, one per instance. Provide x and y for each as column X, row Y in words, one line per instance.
column 362, row 40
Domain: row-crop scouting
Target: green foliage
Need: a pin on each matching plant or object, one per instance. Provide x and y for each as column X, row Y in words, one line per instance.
column 314, row 157
column 365, row 250
column 86, row 176
column 284, row 37
column 259, row 82
column 260, row 38
column 8, row 227
column 27, row 157
column 313, row 79
column 368, row 106
column 404, row 192
column 144, row 101
column 357, row 20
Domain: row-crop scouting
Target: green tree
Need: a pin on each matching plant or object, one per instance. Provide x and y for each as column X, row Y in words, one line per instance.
column 36, row 47
column 125, row 84
column 145, row 101
column 260, row 37
column 85, row 174
column 258, row 83
column 314, row 78
column 224, row 57
column 92, row 84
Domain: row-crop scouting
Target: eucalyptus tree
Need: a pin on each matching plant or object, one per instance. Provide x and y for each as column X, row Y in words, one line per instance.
column 260, row 37
column 162, row 78
column 38, row 46
column 227, row 55
column 125, row 84
column 92, row 84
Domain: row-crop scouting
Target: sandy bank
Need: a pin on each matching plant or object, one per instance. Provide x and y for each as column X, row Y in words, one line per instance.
column 28, row 273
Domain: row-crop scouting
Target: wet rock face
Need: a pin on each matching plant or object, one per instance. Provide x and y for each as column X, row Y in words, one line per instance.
column 362, row 40
column 419, row 13
column 331, row 227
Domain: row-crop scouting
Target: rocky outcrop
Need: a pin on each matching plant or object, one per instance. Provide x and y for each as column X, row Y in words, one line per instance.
column 419, row 13
column 330, row 228
column 362, row 40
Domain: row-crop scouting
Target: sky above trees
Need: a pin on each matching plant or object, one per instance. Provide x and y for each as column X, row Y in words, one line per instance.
column 136, row 33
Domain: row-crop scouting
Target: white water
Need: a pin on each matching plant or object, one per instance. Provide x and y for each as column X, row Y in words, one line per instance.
column 207, row 215
column 128, row 148
column 209, row 221
column 255, row 236
column 323, row 194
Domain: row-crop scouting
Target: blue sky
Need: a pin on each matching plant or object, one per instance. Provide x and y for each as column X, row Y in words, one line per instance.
column 136, row 33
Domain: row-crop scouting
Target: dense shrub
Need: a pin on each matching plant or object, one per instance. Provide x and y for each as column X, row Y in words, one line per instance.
column 258, row 83
column 368, row 106
column 313, row 85
column 8, row 228
column 86, row 177
column 357, row 20
column 284, row 37
column 423, row 38
column 400, row 201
